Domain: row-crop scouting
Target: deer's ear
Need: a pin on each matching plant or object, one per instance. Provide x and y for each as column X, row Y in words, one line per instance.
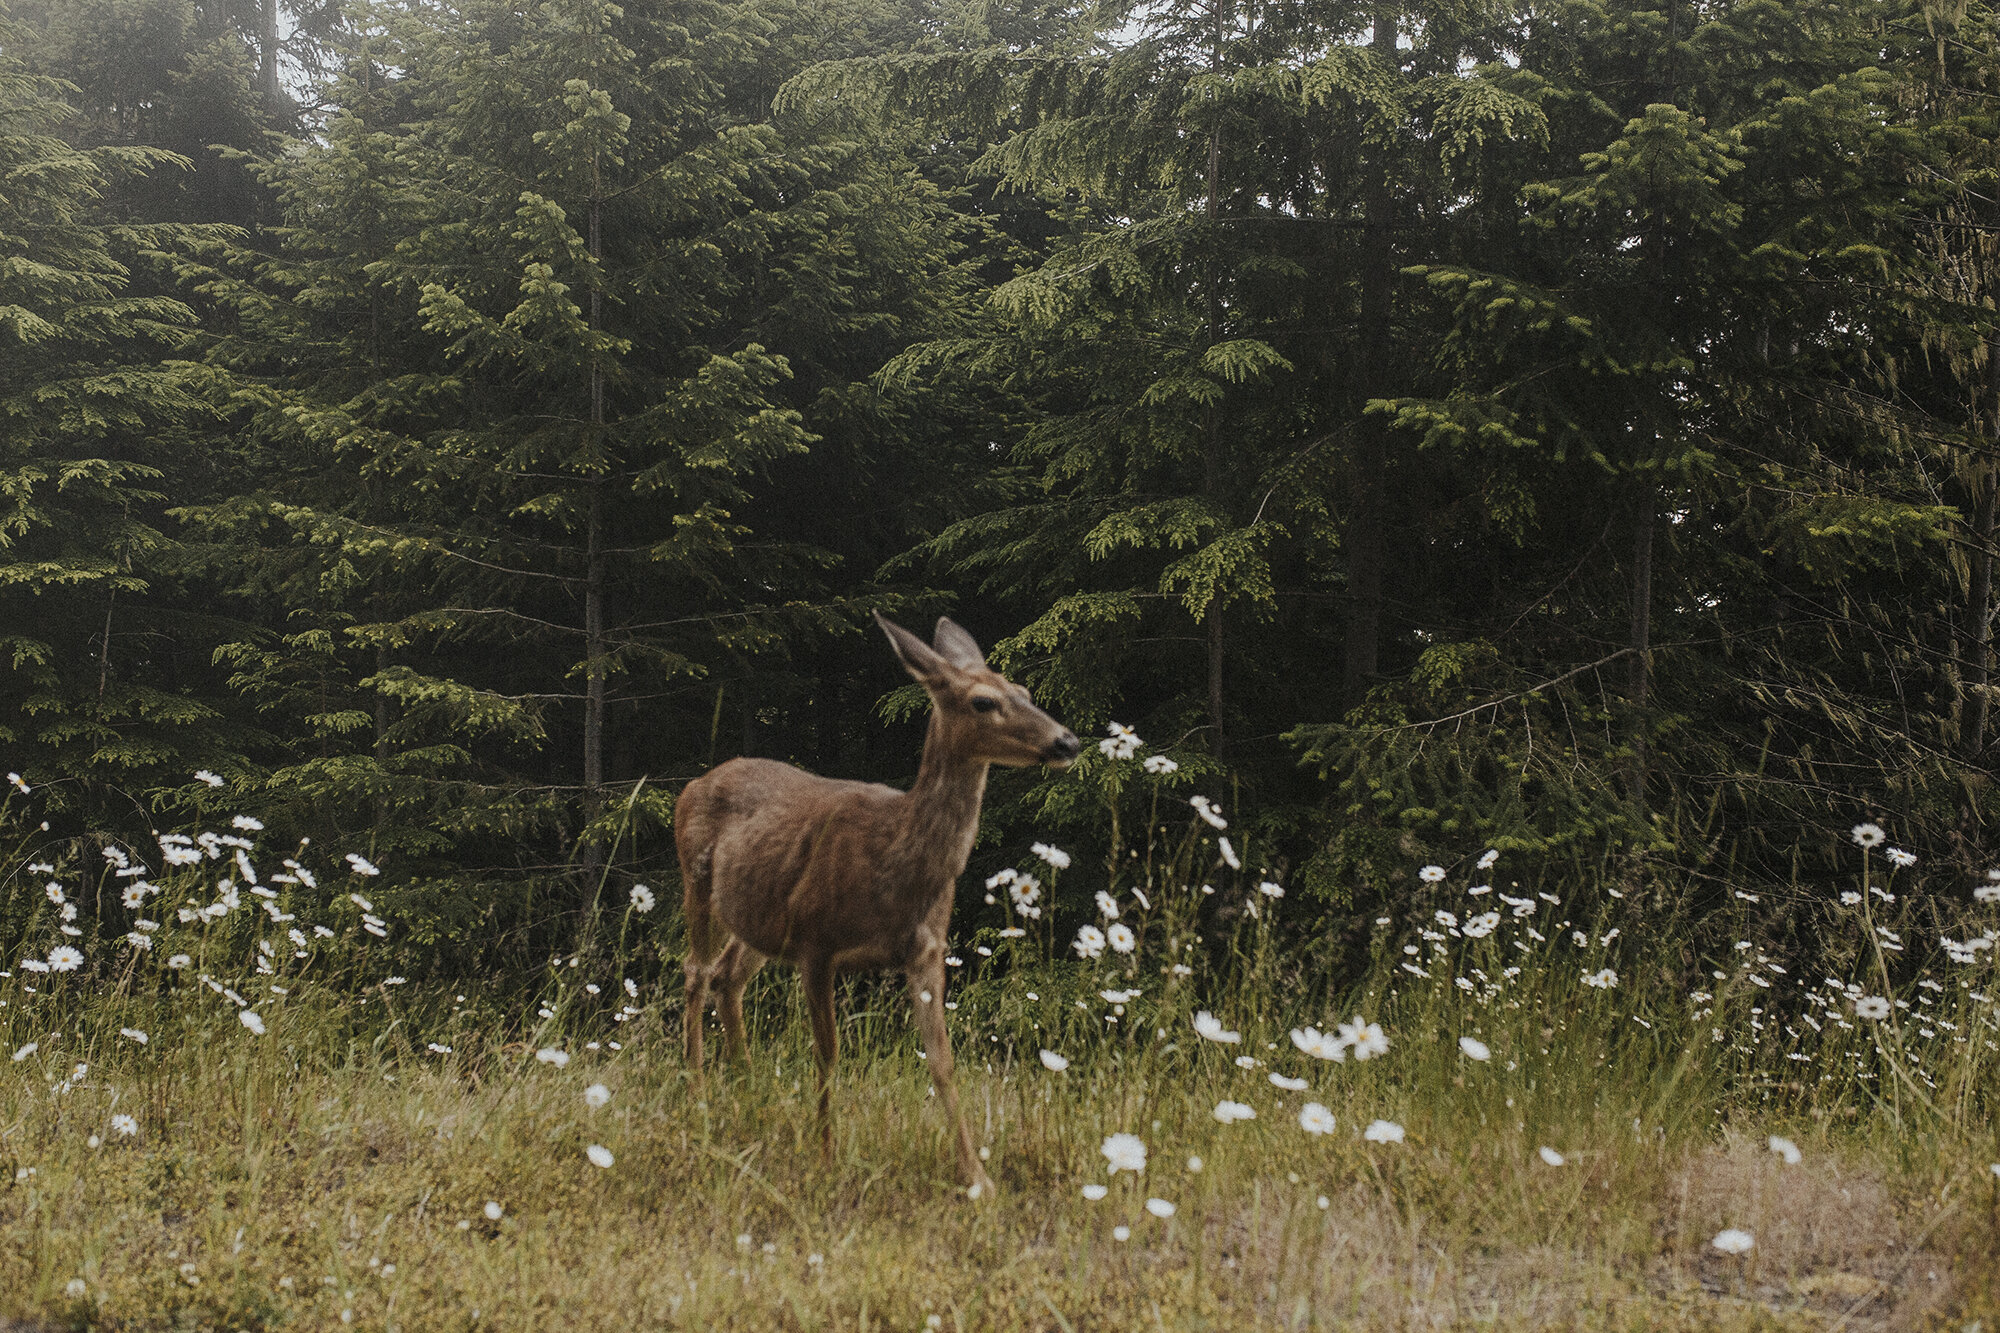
column 915, row 654
column 956, row 646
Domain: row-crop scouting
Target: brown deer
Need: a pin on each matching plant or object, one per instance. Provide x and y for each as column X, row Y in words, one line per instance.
column 834, row 876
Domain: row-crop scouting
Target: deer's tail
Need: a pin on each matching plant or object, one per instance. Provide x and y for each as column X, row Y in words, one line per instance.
column 694, row 839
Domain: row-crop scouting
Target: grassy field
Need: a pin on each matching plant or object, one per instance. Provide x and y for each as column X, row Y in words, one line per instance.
column 388, row 1155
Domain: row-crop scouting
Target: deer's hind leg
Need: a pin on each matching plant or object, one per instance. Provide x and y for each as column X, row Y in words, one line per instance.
column 732, row 972
column 706, row 939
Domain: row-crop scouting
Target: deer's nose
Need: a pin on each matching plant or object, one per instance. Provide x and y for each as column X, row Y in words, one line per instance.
column 1064, row 748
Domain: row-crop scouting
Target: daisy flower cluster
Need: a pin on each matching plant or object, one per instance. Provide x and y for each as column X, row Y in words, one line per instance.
column 218, row 921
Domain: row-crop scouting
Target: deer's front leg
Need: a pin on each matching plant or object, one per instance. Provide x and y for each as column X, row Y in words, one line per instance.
column 927, row 994
column 818, row 977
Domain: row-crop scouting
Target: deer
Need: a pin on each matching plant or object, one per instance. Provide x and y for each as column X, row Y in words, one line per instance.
column 835, row 876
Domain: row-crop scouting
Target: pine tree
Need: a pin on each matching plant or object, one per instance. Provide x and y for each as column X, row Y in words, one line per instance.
column 99, row 688
column 1200, row 349
column 556, row 314
column 1667, row 381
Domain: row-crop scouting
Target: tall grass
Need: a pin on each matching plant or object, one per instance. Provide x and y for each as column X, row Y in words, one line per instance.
column 337, row 1168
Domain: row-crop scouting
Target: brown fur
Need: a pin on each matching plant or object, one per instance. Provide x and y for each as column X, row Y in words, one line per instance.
column 834, row 876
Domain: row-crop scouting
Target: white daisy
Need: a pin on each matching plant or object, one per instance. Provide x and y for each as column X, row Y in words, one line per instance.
column 1125, row 1152
column 1487, row 861
column 63, row 958
column 1733, row 1241
column 1270, row 890
column 1055, row 856
column 1121, row 742
column 596, row 1095
column 549, row 1055
column 249, row 1018
column 1366, row 1038
column 1604, row 979
column 125, row 1124
column 1475, row 1049
column 1209, row 811
column 599, row 1155
column 1431, row 874
column 1089, row 942
column 1288, row 1084
column 23, row 1052
column 203, row 775
column 1865, row 835
column 493, row 1210
column 1228, row 1112
column 1159, row 1208
column 1094, row 1192
column 1872, row 1007
column 1209, row 1026
column 1229, row 854
column 1054, row 1063
column 1383, row 1131
column 1159, row 763
column 1107, row 906
column 1551, row 1156
column 179, row 961
column 133, row 1034
column 1319, row 1045
column 641, row 898
column 1899, row 858
column 1315, row 1119
column 1786, row 1149
column 1121, row 939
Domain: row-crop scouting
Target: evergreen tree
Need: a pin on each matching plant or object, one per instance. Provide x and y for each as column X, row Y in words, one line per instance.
column 102, row 685
column 558, row 313
column 1200, row 349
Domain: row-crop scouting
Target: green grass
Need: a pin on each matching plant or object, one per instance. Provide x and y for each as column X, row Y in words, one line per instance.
column 263, row 1167
column 335, row 1170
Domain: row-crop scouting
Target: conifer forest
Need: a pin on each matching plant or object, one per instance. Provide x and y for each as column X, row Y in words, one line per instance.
column 1504, row 491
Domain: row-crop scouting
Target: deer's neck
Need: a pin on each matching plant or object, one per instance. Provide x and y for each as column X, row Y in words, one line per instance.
column 940, row 819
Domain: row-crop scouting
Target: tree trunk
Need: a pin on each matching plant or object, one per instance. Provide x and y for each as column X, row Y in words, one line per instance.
column 1366, row 531
column 1640, row 681
column 1979, row 607
column 267, row 57
column 1212, row 461
column 104, row 648
column 591, row 853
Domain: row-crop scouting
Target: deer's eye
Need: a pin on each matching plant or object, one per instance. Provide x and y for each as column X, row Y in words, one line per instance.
column 985, row 703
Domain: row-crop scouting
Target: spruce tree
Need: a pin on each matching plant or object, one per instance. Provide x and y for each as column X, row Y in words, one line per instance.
column 101, row 688
column 556, row 311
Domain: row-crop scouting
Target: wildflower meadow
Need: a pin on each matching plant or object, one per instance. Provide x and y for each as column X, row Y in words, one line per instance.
column 230, row 1108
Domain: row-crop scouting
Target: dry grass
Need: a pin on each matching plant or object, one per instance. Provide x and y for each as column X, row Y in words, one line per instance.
column 260, row 1195
column 334, row 1172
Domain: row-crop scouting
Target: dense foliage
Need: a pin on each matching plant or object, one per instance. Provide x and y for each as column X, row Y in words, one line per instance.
column 1570, row 428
